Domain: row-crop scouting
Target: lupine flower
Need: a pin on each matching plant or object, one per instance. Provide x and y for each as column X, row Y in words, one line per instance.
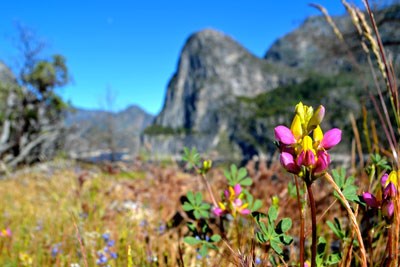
column 383, row 199
column 234, row 203
column 304, row 146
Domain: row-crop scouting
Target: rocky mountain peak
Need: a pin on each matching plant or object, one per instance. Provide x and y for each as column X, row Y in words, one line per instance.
column 213, row 69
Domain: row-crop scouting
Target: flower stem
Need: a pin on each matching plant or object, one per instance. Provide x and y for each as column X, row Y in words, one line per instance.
column 314, row 224
column 301, row 222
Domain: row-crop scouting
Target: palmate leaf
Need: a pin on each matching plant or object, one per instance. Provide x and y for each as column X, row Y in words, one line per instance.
column 200, row 209
column 192, row 157
column 235, row 176
column 347, row 186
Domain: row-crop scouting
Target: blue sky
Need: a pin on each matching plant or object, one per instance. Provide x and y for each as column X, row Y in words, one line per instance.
column 133, row 46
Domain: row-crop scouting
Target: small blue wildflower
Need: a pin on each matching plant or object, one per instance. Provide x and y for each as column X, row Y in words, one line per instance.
column 113, row 255
column 162, row 228
column 102, row 258
column 258, row 261
column 110, row 243
column 55, row 250
column 106, row 237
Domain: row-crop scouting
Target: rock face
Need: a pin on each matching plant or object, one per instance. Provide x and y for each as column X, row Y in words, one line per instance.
column 212, row 69
column 311, row 46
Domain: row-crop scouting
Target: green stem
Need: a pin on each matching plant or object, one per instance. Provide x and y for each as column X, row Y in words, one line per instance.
column 301, row 223
column 314, row 224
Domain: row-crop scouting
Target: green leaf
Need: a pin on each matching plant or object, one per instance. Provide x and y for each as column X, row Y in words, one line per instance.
column 191, row 226
column 233, row 171
column 263, row 227
column 246, row 182
column 258, row 215
column 187, row 206
column 197, row 214
column 285, row 224
column 203, row 250
column 261, row 237
column 190, row 197
column 336, row 231
column 198, row 199
column 286, row 239
column 256, row 205
column 215, row 238
column 205, row 206
column 242, row 173
column 192, row 240
column 272, row 214
column 334, row 259
column 203, row 214
column 275, row 245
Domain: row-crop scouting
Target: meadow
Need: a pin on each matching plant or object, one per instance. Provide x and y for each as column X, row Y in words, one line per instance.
column 298, row 209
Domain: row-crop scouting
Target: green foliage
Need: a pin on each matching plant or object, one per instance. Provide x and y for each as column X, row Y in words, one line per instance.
column 275, row 235
column 236, row 176
column 47, row 74
column 292, row 190
column 347, row 186
column 337, row 228
column 254, row 204
column 192, row 157
column 321, row 259
column 313, row 90
column 157, row 129
column 377, row 165
column 196, row 204
column 200, row 238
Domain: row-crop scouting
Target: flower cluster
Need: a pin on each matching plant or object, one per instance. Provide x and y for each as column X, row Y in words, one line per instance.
column 233, row 203
column 106, row 253
column 304, row 146
column 384, row 197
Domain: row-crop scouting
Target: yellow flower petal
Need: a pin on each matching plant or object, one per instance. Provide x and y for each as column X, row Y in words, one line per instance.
column 318, row 134
column 296, row 127
column 307, row 143
column 392, row 178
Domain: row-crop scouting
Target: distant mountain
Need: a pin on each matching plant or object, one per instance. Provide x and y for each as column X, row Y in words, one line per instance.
column 90, row 130
column 226, row 101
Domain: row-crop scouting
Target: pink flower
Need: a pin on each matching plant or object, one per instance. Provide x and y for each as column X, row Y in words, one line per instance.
column 218, row 211
column 288, row 163
column 284, row 135
column 331, row 138
column 322, row 163
column 306, row 158
column 388, row 209
column 370, row 199
column 390, row 190
column 237, row 189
